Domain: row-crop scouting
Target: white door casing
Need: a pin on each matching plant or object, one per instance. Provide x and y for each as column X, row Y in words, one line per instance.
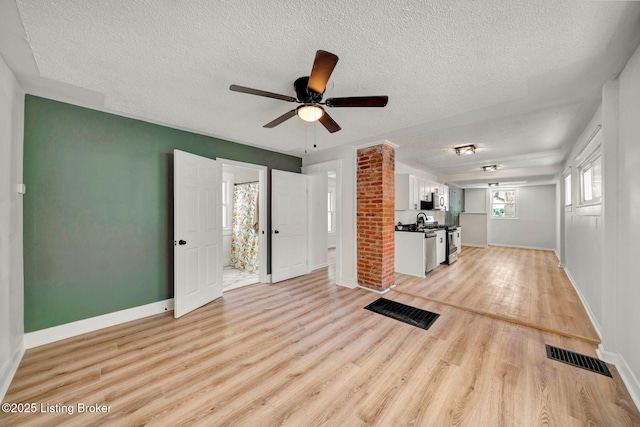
column 197, row 231
column 288, row 225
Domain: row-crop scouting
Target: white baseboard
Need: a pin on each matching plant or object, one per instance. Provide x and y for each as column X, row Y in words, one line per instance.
column 473, row 245
column 585, row 304
column 377, row 292
column 8, row 371
column 628, row 378
column 319, row 266
column 522, row 247
column 68, row 330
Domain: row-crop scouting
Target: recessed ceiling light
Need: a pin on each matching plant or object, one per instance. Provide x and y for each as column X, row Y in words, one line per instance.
column 490, row 168
column 465, row 150
column 493, row 184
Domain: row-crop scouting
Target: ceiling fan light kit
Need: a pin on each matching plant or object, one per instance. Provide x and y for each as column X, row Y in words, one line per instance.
column 309, row 91
column 309, row 113
column 490, row 168
column 465, row 150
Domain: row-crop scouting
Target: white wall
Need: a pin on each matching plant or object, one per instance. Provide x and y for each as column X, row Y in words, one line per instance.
column 474, row 229
column 317, row 242
column 619, row 287
column 535, row 226
column 628, row 205
column 601, row 251
column 11, row 262
column 475, row 200
column 584, row 237
column 402, row 168
column 331, row 237
column 343, row 161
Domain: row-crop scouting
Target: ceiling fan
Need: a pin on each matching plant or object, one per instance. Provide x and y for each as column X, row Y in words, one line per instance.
column 309, row 91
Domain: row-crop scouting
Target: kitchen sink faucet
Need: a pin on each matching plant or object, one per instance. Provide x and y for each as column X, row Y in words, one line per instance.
column 421, row 219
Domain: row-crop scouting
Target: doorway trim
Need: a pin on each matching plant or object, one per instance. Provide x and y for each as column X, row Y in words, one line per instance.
column 263, row 277
column 324, row 167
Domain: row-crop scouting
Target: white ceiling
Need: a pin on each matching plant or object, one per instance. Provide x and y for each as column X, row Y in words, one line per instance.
column 518, row 79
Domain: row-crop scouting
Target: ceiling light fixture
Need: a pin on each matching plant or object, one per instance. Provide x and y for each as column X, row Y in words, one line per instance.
column 493, row 184
column 490, row 168
column 309, row 113
column 465, row 150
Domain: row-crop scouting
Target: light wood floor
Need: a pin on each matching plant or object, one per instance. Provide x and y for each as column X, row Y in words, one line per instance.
column 304, row 352
column 523, row 286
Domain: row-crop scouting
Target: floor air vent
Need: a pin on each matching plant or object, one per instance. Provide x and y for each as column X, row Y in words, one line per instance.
column 404, row 313
column 575, row 359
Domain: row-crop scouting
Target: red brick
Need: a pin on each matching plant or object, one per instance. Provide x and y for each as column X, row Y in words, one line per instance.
column 375, row 214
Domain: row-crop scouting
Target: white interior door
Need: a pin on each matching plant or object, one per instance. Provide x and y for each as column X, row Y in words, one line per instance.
column 197, row 185
column 288, row 225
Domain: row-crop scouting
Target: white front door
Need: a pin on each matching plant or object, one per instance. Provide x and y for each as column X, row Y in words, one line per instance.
column 288, row 225
column 197, row 231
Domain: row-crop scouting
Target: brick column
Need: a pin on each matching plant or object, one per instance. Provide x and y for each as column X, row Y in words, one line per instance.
column 376, row 216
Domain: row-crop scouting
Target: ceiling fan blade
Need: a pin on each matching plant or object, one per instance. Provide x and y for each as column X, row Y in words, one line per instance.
column 282, row 118
column 323, row 66
column 358, row 101
column 236, row 88
column 329, row 123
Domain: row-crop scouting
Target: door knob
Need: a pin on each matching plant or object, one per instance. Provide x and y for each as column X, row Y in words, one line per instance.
column 182, row 242
column 276, row 232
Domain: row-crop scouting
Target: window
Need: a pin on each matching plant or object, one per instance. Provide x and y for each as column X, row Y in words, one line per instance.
column 227, row 201
column 591, row 180
column 567, row 189
column 331, row 212
column 503, row 204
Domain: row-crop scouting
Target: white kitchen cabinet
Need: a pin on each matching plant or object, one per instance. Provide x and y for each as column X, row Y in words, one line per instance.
column 457, row 239
column 414, row 202
column 425, row 189
column 409, row 251
column 441, row 245
column 409, row 191
column 403, row 191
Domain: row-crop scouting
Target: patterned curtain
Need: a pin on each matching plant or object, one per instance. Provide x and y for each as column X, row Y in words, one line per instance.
column 244, row 237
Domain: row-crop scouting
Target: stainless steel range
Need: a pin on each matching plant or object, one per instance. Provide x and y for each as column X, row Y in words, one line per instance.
column 452, row 249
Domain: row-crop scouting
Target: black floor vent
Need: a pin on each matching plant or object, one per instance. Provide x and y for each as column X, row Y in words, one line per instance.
column 404, row 313
column 576, row 359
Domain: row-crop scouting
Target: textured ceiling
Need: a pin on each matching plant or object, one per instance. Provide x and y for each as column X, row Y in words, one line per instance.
column 518, row 79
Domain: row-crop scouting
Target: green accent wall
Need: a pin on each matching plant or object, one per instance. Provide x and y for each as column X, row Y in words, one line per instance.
column 98, row 213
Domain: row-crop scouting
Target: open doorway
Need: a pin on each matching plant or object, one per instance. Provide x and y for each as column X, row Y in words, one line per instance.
column 331, row 220
column 244, row 221
column 325, row 218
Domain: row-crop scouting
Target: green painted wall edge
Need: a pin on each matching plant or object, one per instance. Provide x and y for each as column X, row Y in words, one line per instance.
column 98, row 213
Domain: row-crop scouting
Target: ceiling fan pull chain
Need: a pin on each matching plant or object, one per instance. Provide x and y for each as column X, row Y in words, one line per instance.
column 315, row 134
